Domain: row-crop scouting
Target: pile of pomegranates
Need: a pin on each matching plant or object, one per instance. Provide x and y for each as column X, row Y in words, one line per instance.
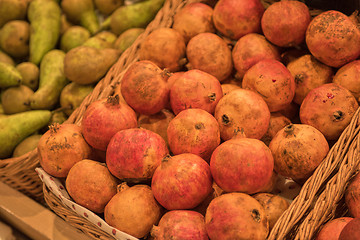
column 216, row 109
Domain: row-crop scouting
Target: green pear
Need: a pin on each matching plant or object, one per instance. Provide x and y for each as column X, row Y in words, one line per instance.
column 6, row 58
column 98, row 43
column 107, row 36
column 64, row 24
column 12, row 10
column 86, row 65
column 103, row 39
column 14, row 38
column 16, row 99
column 127, row 38
column 16, row 127
column 1, row 109
column 30, row 74
column 137, row 15
column 26, row 145
column 106, row 7
column 73, row 95
column 51, row 81
column 81, row 12
column 45, row 20
column 73, row 37
column 9, row 75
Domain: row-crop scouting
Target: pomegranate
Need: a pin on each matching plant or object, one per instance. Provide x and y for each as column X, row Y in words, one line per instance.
column 193, row 131
column 332, row 229
column 165, row 47
column 236, row 216
column 216, row 191
column 60, row 148
column 134, row 154
column 133, row 210
column 91, row 185
column 352, row 196
column 144, row 87
column 103, row 118
column 180, row 225
column 284, row 23
column 332, row 37
column 277, row 122
column 348, row 76
column 271, row 186
column 294, row 153
column 291, row 54
column 250, row 49
column 291, row 111
column 193, row 19
column 195, row 89
column 273, row 81
column 274, row 206
column 351, row 230
column 182, row 181
column 242, row 165
column 210, row 53
column 242, row 109
column 329, row 108
column 173, row 77
column 308, row 73
column 157, row 123
column 228, row 87
column 234, row 19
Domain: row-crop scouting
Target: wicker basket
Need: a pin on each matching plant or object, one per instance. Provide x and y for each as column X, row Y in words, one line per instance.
column 320, row 199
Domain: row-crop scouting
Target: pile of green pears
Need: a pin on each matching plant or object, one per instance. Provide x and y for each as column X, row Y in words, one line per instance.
column 52, row 54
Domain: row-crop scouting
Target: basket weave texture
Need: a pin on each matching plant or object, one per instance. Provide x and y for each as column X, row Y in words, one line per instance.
column 320, row 199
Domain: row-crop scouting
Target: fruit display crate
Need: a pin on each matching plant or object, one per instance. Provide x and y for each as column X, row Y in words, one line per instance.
column 319, row 200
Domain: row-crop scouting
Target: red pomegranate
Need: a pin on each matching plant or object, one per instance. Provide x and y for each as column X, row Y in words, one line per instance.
column 236, row 216
column 332, row 37
column 294, row 153
column 193, row 19
column 332, row 229
column 103, row 118
column 195, row 89
column 250, row 49
column 134, row 154
column 182, row 181
column 277, row 122
column 210, row 53
column 242, row 109
column 165, row 47
column 348, row 76
column 90, row 184
column 284, row 23
column 329, row 108
column 351, row 230
column 180, row 225
column 234, row 18
column 193, row 131
column 133, row 210
column 352, row 196
column 309, row 73
column 144, row 87
column 273, row 81
column 60, row 148
column 242, row 165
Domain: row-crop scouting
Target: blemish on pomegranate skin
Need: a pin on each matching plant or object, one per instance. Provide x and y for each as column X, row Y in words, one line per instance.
column 330, row 95
column 324, row 101
column 274, row 80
